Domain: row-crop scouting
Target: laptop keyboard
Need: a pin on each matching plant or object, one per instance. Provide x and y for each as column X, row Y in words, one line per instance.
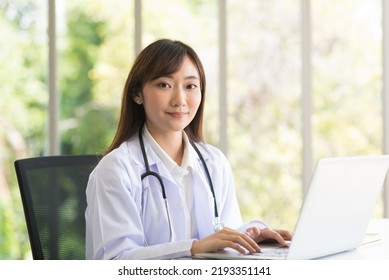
column 274, row 253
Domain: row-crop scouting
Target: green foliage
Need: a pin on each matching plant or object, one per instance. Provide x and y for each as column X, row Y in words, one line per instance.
column 79, row 110
column 92, row 130
column 24, row 99
column 14, row 243
column 23, row 103
column 6, row 231
column 83, row 38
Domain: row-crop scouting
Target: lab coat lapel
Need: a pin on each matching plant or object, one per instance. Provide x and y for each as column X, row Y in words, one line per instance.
column 203, row 200
column 161, row 169
column 155, row 162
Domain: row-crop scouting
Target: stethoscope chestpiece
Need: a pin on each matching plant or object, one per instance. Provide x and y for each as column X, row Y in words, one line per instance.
column 217, row 224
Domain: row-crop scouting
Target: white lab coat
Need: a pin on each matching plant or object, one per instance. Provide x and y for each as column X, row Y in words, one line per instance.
column 123, row 214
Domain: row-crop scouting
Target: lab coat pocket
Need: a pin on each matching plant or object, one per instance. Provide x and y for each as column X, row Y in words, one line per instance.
column 154, row 214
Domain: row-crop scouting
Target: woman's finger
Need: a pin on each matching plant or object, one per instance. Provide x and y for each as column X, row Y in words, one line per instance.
column 287, row 235
column 269, row 234
column 241, row 239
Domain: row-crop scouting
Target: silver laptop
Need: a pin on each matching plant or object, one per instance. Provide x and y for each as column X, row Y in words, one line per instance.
column 335, row 213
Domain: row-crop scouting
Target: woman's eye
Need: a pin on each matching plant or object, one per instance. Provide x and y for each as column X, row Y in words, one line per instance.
column 191, row 86
column 164, row 85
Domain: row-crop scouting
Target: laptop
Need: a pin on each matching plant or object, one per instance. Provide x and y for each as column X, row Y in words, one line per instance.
column 335, row 213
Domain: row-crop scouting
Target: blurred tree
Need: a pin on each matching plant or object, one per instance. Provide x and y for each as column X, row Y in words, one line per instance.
column 23, row 104
column 79, row 112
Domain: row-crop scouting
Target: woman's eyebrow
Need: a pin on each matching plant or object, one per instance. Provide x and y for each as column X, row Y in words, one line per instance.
column 191, row 78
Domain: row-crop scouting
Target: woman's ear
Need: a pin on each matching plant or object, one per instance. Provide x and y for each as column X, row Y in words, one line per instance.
column 137, row 99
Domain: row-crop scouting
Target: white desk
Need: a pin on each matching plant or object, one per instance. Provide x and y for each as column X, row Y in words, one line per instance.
column 378, row 250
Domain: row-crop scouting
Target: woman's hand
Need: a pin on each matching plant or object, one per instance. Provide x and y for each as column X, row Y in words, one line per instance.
column 268, row 234
column 242, row 242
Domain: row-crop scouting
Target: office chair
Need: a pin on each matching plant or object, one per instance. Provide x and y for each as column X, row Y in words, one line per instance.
column 52, row 189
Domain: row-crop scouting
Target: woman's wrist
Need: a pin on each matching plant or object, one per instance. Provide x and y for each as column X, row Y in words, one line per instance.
column 193, row 249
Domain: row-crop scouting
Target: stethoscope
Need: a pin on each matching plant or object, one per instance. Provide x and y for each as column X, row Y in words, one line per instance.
column 217, row 224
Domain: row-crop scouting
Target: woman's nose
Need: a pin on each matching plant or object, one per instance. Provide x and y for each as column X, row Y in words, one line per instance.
column 179, row 97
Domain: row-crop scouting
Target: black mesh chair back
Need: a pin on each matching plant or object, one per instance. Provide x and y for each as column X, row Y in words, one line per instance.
column 52, row 189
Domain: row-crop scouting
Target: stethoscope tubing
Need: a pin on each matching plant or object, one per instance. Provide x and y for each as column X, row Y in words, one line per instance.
column 217, row 223
column 216, row 213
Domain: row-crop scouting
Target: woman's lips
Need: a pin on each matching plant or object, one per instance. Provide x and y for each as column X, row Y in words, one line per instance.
column 178, row 115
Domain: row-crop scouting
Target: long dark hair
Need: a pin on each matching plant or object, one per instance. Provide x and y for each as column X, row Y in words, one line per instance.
column 161, row 58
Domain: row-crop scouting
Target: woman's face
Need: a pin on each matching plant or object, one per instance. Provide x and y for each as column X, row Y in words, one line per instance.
column 171, row 102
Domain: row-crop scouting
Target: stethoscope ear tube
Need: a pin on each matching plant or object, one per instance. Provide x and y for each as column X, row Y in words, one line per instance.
column 209, row 180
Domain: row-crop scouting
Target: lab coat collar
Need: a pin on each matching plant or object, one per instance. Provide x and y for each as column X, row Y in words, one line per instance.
column 173, row 167
column 134, row 151
column 155, row 163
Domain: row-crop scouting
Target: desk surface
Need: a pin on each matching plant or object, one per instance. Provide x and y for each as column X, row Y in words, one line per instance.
column 378, row 250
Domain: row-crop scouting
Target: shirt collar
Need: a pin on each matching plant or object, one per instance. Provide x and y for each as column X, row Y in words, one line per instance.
column 171, row 165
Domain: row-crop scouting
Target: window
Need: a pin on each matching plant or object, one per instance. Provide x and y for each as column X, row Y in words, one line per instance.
column 347, row 79
column 264, row 112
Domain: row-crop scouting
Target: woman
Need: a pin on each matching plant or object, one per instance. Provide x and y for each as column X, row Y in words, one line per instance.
column 160, row 192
